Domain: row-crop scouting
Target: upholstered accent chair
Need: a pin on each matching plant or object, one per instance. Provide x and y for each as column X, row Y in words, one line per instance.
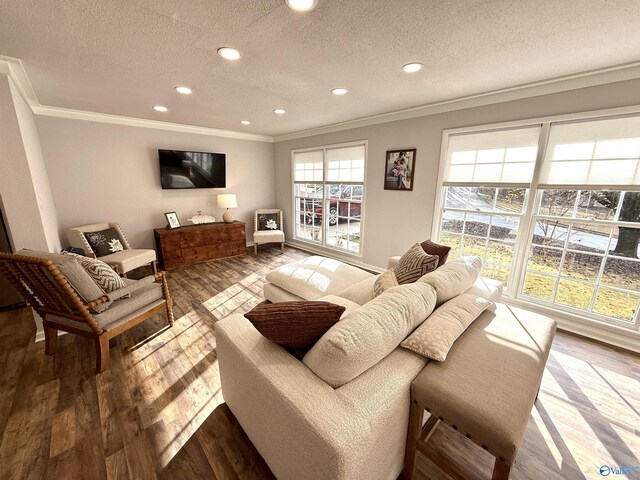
column 123, row 261
column 59, row 289
column 267, row 228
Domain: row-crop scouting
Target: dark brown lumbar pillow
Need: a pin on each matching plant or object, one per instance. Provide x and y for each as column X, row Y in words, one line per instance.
column 414, row 264
column 433, row 248
column 294, row 325
column 104, row 242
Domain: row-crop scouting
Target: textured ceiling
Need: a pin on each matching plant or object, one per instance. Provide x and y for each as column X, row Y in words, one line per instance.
column 122, row 57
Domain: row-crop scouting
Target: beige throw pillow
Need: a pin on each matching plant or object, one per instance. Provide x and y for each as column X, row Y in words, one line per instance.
column 453, row 278
column 105, row 277
column 414, row 264
column 384, row 282
column 435, row 337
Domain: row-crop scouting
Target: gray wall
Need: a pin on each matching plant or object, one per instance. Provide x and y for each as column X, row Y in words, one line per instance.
column 103, row 172
column 394, row 219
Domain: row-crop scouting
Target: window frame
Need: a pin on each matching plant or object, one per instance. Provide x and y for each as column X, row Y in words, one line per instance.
column 325, row 183
column 514, row 292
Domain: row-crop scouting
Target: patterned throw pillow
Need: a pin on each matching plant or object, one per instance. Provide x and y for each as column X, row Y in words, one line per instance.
column 102, row 274
column 104, row 242
column 437, row 334
column 268, row 221
column 384, row 282
column 414, row 264
column 294, row 325
column 433, row 248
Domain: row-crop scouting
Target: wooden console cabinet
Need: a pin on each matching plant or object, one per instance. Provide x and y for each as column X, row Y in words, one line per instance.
column 192, row 244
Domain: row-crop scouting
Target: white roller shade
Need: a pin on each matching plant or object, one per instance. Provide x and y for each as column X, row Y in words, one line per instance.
column 598, row 154
column 308, row 166
column 488, row 158
column 345, row 164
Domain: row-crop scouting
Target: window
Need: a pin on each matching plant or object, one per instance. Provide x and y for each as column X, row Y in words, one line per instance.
column 487, row 178
column 553, row 210
column 328, row 184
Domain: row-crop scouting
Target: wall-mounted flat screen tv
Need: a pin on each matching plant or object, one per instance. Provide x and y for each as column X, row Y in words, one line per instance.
column 180, row 169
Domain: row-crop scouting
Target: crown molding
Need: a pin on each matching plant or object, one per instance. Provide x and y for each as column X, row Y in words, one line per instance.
column 592, row 78
column 144, row 123
column 13, row 68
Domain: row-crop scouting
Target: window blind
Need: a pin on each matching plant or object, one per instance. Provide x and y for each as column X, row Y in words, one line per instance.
column 492, row 158
column 308, row 166
column 597, row 154
column 346, row 164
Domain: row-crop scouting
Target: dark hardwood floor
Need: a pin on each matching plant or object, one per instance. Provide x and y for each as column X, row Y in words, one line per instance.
column 158, row 411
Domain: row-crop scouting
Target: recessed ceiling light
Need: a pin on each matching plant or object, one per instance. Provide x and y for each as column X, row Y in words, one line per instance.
column 245, row 122
column 279, row 111
column 229, row 53
column 412, row 67
column 183, row 90
column 339, row 91
column 301, row 5
column 160, row 108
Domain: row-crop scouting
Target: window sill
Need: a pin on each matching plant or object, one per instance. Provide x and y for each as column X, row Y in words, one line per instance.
column 603, row 332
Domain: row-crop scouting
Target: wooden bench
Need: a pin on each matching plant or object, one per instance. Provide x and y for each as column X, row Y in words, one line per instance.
column 485, row 389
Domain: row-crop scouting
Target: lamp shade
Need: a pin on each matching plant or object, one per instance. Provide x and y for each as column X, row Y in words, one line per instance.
column 227, row 200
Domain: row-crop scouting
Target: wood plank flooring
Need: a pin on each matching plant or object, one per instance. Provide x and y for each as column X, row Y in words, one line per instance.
column 158, row 411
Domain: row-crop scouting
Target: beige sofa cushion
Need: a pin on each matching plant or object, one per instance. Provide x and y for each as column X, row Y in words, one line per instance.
column 360, row 292
column 315, row 277
column 453, row 278
column 348, row 305
column 370, row 333
column 435, row 337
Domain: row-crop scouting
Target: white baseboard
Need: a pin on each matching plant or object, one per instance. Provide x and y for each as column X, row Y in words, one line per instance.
column 327, row 252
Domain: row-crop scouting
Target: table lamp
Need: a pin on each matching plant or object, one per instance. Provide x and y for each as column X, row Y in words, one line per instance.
column 227, row 200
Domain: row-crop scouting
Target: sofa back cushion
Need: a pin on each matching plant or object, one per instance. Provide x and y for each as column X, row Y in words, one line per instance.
column 370, row 333
column 360, row 292
column 453, row 278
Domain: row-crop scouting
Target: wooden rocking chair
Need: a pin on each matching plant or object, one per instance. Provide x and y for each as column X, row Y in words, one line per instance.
column 50, row 294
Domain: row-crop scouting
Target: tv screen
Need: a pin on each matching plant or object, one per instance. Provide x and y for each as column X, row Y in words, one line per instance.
column 192, row 169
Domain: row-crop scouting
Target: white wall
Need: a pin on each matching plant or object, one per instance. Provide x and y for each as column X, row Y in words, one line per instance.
column 39, row 174
column 24, row 191
column 397, row 219
column 103, row 172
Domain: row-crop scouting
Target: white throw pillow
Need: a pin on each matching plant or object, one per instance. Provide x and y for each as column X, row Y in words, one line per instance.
column 453, row 278
column 370, row 333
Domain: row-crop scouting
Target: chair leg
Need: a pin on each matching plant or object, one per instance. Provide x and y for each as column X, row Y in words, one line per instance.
column 282, row 247
column 50, row 340
column 413, row 435
column 501, row 470
column 102, row 353
column 255, row 249
column 154, row 266
column 170, row 318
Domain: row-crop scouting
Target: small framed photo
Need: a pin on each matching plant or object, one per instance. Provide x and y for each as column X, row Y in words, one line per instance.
column 399, row 168
column 172, row 219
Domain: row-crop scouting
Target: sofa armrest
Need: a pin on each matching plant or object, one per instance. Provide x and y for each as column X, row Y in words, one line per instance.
column 392, row 261
column 297, row 422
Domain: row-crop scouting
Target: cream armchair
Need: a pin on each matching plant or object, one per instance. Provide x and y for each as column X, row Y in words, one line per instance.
column 123, row 261
column 264, row 221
